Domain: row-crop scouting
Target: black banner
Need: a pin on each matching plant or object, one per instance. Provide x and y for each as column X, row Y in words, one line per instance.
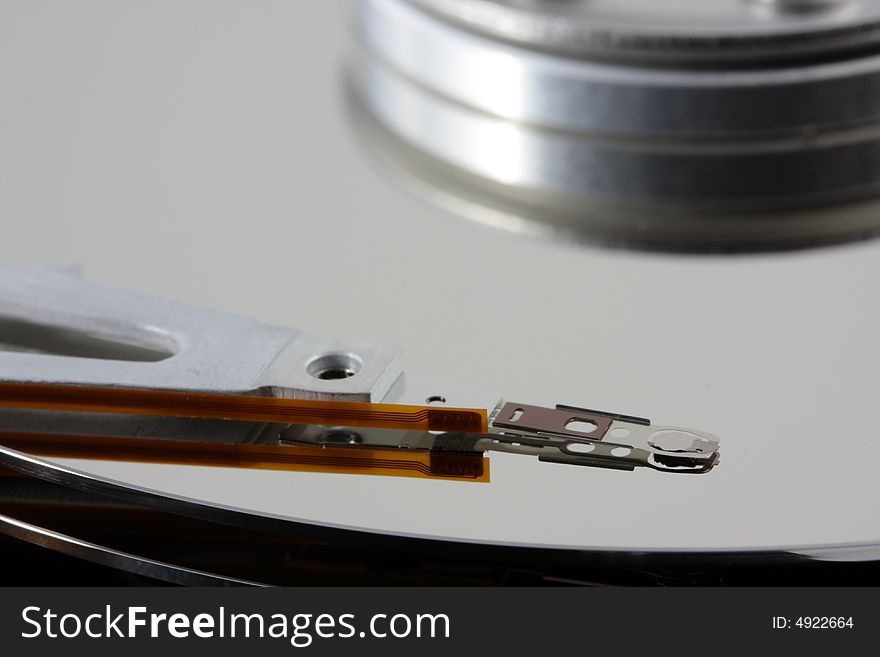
column 428, row 621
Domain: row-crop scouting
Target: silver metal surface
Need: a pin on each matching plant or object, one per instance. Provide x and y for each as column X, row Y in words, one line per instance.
column 652, row 29
column 801, row 101
column 229, row 147
column 727, row 157
column 200, row 349
column 88, row 482
column 553, row 185
column 107, row 556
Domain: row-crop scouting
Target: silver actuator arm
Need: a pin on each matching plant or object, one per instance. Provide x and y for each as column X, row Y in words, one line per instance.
column 58, row 329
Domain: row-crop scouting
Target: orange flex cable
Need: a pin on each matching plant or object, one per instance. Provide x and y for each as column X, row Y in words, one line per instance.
column 216, row 406
column 302, row 458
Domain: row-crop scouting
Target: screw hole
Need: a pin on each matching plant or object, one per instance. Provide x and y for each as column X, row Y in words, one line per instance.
column 435, row 400
column 517, row 414
column 335, row 366
column 619, row 432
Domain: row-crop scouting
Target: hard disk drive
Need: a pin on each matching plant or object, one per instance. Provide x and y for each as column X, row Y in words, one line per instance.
column 440, row 292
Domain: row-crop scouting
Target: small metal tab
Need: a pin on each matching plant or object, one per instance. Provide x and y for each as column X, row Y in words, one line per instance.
column 539, row 420
column 614, row 441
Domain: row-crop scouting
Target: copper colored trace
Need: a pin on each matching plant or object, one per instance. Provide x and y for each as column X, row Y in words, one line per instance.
column 303, row 458
column 240, row 407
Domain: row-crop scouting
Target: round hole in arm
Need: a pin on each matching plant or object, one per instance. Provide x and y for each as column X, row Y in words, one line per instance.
column 328, row 367
column 581, row 426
